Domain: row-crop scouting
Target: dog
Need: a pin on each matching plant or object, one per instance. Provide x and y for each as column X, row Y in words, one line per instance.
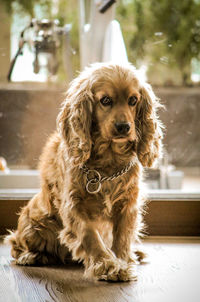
column 90, row 205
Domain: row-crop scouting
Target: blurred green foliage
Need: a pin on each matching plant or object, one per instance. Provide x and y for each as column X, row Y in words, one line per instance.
column 27, row 6
column 156, row 32
column 67, row 13
column 165, row 32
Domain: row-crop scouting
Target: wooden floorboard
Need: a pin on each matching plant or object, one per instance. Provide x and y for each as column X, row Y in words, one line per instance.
column 171, row 275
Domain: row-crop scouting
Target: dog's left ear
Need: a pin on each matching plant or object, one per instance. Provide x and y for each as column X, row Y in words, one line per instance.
column 148, row 127
column 74, row 120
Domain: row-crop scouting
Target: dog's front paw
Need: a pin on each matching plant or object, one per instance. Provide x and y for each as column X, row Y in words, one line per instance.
column 112, row 270
column 129, row 273
column 106, row 270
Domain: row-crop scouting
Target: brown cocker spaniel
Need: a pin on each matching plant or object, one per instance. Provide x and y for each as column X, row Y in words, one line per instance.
column 90, row 204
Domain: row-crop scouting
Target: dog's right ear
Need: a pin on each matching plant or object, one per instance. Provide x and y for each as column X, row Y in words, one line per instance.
column 149, row 127
column 74, row 120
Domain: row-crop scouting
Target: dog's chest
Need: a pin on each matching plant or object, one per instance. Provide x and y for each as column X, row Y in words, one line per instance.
column 107, row 206
column 111, row 192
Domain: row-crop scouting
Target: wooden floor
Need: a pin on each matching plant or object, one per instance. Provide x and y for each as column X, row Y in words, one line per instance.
column 172, row 275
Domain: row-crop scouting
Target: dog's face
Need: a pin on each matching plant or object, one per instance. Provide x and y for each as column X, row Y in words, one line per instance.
column 113, row 102
column 115, row 108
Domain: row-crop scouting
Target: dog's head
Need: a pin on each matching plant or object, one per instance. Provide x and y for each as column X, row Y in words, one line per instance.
column 114, row 100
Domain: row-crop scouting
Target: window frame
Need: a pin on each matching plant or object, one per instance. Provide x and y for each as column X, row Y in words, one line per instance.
column 165, row 215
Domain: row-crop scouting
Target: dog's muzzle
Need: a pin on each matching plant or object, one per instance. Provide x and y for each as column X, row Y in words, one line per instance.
column 122, row 128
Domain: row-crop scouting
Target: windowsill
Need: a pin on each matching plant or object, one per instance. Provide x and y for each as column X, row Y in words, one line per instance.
column 17, row 194
column 173, row 194
column 169, row 212
column 26, row 194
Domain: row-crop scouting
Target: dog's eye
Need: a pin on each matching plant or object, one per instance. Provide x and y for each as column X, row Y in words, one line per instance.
column 106, row 101
column 132, row 100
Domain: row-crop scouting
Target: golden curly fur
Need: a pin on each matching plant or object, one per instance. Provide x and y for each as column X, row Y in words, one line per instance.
column 107, row 120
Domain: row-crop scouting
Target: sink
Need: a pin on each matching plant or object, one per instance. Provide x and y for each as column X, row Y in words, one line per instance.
column 19, row 179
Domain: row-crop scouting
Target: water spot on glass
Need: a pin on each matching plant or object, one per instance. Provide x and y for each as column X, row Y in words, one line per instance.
column 197, row 38
column 197, row 22
column 164, row 60
column 73, row 51
column 158, row 34
column 20, row 135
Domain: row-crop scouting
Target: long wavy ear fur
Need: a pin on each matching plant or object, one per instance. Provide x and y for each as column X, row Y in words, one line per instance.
column 149, row 128
column 74, row 120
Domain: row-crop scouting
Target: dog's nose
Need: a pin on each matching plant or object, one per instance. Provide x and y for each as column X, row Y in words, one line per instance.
column 122, row 128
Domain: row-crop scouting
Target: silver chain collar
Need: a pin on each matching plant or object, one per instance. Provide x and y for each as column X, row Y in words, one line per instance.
column 95, row 180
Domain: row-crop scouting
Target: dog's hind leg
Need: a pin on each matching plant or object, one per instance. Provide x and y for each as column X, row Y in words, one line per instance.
column 34, row 249
column 35, row 241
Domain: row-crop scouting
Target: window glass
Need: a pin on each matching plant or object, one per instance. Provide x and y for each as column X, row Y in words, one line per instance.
column 162, row 38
